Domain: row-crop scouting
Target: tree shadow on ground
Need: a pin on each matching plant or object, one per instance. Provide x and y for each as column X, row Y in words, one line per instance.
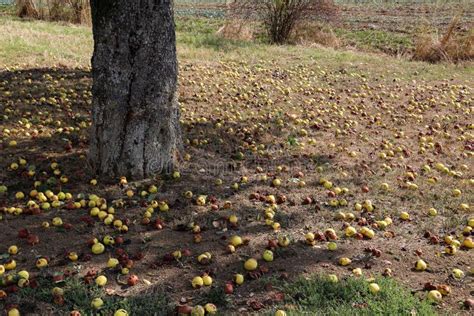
column 48, row 113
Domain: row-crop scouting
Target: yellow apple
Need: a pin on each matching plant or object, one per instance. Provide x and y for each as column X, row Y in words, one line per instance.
column 13, row 250
column 207, row 280
column 41, row 263
column 374, row 288
column 350, row 231
column 13, row 312
column 345, row 261
column 98, row 248
column 435, row 296
column 112, row 263
column 421, row 265
column 121, row 312
column 468, row 242
column 458, row 274
column 198, row 310
column 197, row 282
column 236, row 241
column 97, row 303
column 268, row 255
column 333, row 278
column 404, row 216
column 101, row 280
column 210, row 308
column 239, row 279
column 23, row 274
column 251, row 264
column 332, row 246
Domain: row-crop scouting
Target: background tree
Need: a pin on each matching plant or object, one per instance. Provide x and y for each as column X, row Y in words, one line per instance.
column 135, row 129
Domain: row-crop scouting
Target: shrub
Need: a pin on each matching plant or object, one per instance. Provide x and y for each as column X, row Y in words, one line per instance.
column 281, row 17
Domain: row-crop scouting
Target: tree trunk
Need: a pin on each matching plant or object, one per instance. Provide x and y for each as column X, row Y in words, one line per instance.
column 135, row 129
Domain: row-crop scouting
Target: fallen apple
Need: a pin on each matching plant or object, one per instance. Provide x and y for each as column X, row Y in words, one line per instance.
column 13, row 250
column 197, row 282
column 207, row 280
column 73, row 256
column 404, row 216
column 132, row 280
column 267, row 255
column 228, row 288
column 101, row 280
column 332, row 246
column 458, row 273
column 210, row 308
column 41, row 263
column 121, row 312
column 97, row 303
column 198, row 310
column 374, row 288
column 251, row 264
column 98, row 248
column 432, row 212
column 468, row 242
column 22, row 274
column 13, row 312
column 435, row 296
column 421, row 265
column 345, row 261
column 332, row 278
column 236, row 241
column 238, row 279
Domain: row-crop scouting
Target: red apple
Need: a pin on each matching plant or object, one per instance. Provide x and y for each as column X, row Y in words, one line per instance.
column 33, row 239
column 228, row 288
column 132, row 280
column 23, row 233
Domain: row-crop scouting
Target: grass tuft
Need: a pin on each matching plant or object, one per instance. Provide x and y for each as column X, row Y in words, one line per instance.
column 453, row 46
column 352, row 297
column 78, row 296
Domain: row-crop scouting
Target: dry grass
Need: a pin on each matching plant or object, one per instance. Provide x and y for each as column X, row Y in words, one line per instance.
column 72, row 11
column 309, row 34
column 453, row 46
column 35, row 43
column 237, row 30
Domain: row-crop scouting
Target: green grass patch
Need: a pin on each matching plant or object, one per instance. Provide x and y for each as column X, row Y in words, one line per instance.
column 319, row 296
column 78, row 296
column 376, row 40
column 201, row 33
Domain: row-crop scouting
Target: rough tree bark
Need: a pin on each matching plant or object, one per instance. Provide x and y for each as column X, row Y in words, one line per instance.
column 135, row 129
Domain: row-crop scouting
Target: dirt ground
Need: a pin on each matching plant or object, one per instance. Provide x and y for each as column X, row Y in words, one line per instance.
column 304, row 124
column 406, row 17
